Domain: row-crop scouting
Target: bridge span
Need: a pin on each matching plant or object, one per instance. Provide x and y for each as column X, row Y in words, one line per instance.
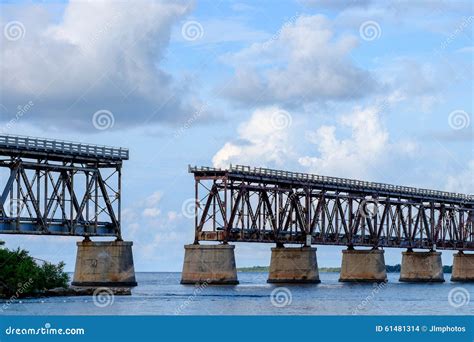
column 56, row 187
column 248, row 204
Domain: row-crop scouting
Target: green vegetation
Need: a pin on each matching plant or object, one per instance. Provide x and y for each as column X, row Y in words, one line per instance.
column 253, row 269
column 396, row 268
column 267, row 268
column 329, row 269
column 447, row 269
column 390, row 269
column 393, row 268
column 21, row 276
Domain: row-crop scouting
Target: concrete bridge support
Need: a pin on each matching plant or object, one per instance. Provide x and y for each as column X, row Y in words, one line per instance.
column 463, row 267
column 104, row 263
column 293, row 265
column 421, row 267
column 363, row 266
column 211, row 264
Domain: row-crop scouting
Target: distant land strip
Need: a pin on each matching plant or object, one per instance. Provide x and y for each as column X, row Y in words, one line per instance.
column 390, row 269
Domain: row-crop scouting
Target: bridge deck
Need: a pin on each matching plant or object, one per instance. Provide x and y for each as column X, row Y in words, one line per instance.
column 51, row 149
column 240, row 172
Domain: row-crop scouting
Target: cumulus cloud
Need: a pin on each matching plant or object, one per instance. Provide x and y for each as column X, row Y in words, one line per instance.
column 355, row 146
column 353, row 156
column 100, row 55
column 263, row 140
column 304, row 62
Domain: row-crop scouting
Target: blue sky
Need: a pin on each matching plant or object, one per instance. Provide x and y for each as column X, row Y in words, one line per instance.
column 380, row 91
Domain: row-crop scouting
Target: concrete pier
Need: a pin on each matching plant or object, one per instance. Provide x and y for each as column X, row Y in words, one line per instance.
column 363, row 266
column 421, row 267
column 211, row 264
column 104, row 263
column 293, row 265
column 463, row 267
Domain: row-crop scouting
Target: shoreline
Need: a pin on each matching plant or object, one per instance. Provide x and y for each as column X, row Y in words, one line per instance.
column 389, row 268
column 74, row 291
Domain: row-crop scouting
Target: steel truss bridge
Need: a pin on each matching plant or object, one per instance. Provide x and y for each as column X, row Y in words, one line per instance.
column 54, row 187
column 245, row 204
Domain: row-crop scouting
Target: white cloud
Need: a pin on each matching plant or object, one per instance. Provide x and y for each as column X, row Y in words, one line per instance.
column 354, row 156
column 262, row 140
column 407, row 147
column 128, row 215
column 173, row 215
column 151, row 212
column 463, row 181
column 305, row 62
column 151, row 203
column 419, row 82
column 356, row 146
column 100, row 55
column 154, row 198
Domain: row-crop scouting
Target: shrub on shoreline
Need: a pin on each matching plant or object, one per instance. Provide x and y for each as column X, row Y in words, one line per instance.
column 21, row 276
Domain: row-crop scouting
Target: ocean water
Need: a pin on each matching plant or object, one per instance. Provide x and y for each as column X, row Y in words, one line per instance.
column 161, row 294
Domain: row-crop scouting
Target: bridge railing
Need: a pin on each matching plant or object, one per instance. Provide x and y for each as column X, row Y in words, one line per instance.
column 305, row 177
column 62, row 147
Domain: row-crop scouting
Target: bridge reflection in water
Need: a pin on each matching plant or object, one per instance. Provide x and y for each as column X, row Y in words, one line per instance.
column 245, row 204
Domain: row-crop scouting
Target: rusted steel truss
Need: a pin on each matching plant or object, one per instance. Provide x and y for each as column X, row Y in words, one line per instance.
column 236, row 205
column 59, row 194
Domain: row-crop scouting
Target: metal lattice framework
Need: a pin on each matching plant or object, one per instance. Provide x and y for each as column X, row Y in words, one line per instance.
column 262, row 205
column 59, row 187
